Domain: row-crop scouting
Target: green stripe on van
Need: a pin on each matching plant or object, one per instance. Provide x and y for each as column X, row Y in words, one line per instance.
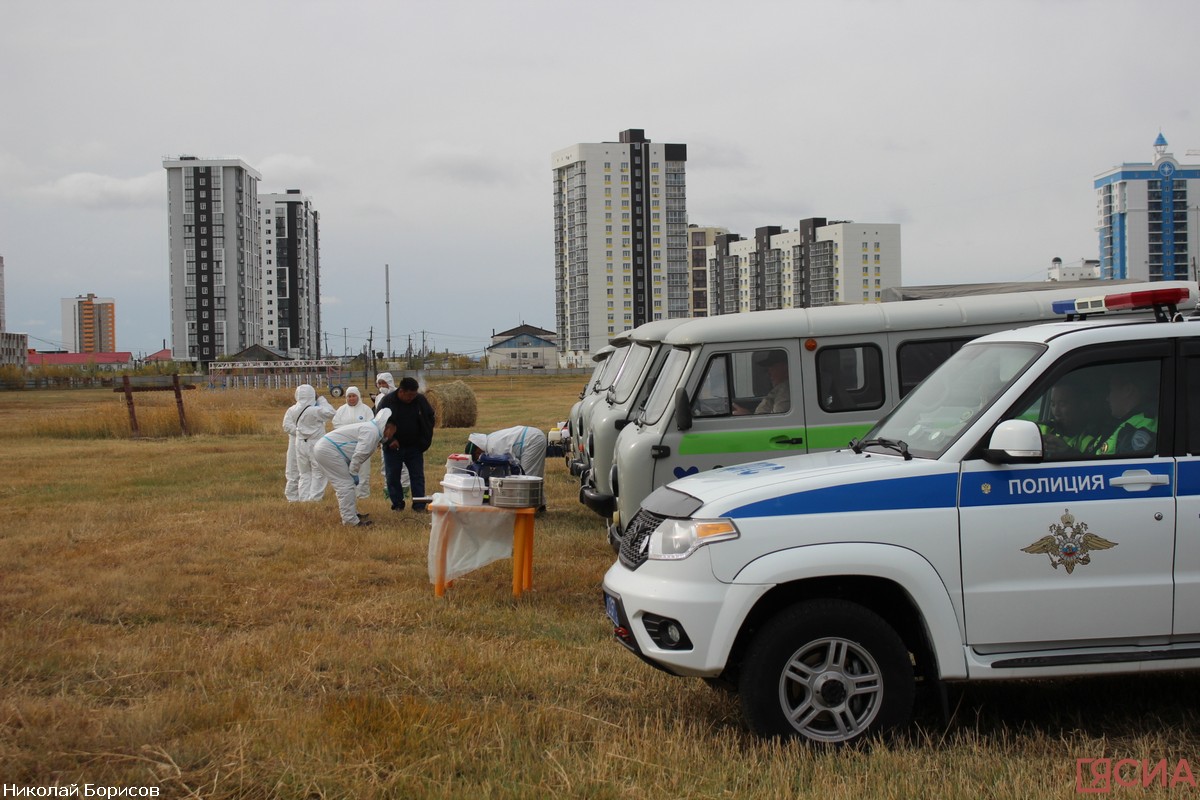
column 826, row 437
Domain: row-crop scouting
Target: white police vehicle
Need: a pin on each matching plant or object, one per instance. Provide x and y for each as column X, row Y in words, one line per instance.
column 1032, row 509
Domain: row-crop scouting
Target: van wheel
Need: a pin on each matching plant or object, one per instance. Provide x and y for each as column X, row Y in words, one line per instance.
column 827, row 671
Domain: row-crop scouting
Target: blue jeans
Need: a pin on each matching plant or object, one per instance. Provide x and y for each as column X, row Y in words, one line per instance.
column 414, row 459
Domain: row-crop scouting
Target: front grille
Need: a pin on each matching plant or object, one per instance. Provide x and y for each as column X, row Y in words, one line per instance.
column 633, row 543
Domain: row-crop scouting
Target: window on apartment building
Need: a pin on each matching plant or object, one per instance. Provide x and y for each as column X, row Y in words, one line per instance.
column 876, row 258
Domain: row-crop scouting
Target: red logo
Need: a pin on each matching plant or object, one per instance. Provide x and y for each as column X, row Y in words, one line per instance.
column 1100, row 775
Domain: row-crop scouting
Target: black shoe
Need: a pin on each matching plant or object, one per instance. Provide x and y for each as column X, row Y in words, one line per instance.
column 361, row 517
column 362, row 522
column 399, row 507
column 418, row 509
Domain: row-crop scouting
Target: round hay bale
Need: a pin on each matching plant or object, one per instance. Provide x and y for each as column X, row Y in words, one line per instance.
column 454, row 403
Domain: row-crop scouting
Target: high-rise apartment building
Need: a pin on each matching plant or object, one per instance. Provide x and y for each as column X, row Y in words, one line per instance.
column 1148, row 218
column 291, row 288
column 699, row 240
column 819, row 263
column 215, row 277
column 89, row 324
column 620, row 239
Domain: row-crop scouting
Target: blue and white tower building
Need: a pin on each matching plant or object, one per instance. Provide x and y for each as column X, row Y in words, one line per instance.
column 1148, row 218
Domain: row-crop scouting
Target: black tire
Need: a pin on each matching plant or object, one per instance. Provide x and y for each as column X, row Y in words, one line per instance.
column 827, row 671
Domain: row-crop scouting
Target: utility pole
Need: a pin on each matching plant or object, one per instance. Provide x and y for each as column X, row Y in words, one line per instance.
column 371, row 349
column 387, row 305
column 345, row 343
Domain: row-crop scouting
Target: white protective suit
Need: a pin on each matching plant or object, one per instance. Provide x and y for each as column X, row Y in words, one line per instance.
column 291, row 470
column 310, row 414
column 386, row 378
column 350, row 415
column 526, row 445
column 342, row 453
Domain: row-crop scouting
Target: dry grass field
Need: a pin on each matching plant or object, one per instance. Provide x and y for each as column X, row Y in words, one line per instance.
column 168, row 620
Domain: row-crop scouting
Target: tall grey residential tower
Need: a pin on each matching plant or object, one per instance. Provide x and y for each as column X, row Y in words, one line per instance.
column 215, row 278
column 291, row 310
column 620, row 239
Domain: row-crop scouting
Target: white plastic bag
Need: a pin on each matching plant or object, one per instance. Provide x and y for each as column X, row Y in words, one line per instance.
column 473, row 537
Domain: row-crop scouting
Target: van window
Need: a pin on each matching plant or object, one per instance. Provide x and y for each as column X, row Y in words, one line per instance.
column 916, row 359
column 749, row 382
column 665, row 385
column 1193, row 405
column 1108, row 409
column 850, row 378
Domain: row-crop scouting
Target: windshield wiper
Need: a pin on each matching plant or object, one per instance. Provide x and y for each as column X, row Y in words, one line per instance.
column 891, row 444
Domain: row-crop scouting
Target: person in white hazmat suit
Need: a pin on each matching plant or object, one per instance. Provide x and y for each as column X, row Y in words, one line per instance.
column 342, row 453
column 387, row 384
column 310, row 413
column 525, row 445
column 352, row 412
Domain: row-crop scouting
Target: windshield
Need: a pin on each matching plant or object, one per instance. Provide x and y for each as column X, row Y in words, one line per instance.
column 611, row 366
column 946, row 403
column 627, row 381
column 663, row 394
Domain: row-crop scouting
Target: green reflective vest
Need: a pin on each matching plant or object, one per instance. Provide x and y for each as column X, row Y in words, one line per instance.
column 1134, row 436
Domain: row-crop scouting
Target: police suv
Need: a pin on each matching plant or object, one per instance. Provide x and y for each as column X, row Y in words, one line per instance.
column 1031, row 509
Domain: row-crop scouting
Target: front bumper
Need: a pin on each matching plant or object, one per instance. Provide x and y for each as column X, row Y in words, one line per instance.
column 602, row 504
column 710, row 612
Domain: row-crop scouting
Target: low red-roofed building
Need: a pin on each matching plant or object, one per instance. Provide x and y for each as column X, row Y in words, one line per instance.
column 109, row 361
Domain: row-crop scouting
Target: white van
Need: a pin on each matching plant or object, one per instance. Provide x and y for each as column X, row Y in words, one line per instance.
column 840, row 368
column 1029, row 511
column 624, row 398
column 571, row 445
column 607, row 372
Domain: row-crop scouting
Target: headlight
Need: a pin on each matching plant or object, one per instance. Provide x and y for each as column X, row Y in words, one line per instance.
column 679, row 538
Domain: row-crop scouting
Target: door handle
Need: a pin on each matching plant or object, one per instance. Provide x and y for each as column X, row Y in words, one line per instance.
column 1139, row 480
column 785, row 440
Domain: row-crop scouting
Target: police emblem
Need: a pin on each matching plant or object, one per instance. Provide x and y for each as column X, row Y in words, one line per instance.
column 1069, row 544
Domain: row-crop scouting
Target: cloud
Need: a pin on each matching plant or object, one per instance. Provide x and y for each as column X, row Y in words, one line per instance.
column 465, row 168
column 286, row 171
column 90, row 190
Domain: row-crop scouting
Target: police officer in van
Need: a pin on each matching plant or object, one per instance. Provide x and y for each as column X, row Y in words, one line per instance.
column 1131, row 400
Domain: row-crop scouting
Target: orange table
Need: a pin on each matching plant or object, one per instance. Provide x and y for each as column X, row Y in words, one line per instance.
column 522, row 545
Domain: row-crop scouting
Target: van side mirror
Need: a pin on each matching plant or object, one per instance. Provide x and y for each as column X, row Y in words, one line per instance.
column 1014, row 441
column 683, row 409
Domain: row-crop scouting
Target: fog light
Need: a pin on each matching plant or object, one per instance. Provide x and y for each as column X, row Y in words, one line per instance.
column 666, row 633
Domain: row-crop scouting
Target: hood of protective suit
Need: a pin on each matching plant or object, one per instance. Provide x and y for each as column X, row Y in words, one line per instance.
column 305, row 393
column 479, row 440
column 381, row 419
column 353, row 390
column 386, row 376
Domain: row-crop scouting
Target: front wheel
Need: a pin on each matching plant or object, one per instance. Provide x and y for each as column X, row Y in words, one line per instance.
column 827, row 671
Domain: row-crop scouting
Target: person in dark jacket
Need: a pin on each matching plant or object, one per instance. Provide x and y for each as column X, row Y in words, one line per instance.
column 413, row 419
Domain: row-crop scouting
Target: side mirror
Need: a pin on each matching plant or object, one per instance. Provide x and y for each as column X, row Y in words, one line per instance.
column 1014, row 441
column 683, row 410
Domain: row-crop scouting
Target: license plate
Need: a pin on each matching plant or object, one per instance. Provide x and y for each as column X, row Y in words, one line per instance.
column 610, row 608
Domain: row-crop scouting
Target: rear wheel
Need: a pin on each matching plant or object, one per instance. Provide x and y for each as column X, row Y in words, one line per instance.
column 827, row 671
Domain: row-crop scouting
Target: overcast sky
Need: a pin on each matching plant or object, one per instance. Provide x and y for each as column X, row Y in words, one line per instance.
column 423, row 133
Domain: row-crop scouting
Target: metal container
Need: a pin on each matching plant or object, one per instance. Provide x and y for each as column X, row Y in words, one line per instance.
column 517, row 491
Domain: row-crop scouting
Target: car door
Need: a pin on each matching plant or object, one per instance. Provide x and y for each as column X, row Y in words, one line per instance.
column 1079, row 547
column 746, row 404
column 1187, row 548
